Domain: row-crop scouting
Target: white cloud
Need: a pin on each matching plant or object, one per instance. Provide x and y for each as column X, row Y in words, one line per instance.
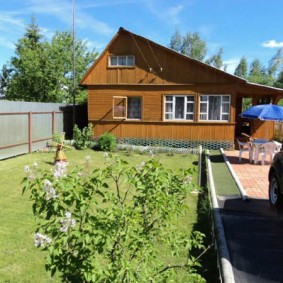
column 5, row 42
column 11, row 28
column 272, row 44
column 62, row 10
column 91, row 44
column 173, row 13
column 169, row 14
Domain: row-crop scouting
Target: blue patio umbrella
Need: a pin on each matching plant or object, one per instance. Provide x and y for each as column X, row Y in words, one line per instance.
column 264, row 112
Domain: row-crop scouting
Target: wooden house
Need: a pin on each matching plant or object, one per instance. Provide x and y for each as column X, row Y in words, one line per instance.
column 140, row 89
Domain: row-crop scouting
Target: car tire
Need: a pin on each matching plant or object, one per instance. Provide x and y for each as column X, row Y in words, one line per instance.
column 274, row 191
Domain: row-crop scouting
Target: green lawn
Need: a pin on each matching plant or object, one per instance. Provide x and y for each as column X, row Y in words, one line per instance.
column 224, row 182
column 20, row 261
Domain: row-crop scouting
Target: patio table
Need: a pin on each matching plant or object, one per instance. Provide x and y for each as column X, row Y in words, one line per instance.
column 256, row 144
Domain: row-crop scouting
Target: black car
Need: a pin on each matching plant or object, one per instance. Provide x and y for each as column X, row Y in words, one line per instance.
column 275, row 178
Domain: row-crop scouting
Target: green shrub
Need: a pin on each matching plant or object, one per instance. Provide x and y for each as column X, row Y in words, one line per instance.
column 107, row 142
column 56, row 137
column 83, row 138
column 106, row 225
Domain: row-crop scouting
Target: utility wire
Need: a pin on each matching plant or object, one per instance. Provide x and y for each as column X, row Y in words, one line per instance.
column 141, row 52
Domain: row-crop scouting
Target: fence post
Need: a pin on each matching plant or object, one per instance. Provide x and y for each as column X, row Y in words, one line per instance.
column 30, row 131
column 53, row 122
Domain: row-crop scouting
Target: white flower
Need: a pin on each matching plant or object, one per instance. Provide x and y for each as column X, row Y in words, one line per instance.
column 30, row 173
column 35, row 164
column 72, row 223
column 47, row 184
column 49, row 190
column 188, row 179
column 26, row 169
column 67, row 222
column 68, row 214
column 105, row 155
column 60, row 169
column 41, row 240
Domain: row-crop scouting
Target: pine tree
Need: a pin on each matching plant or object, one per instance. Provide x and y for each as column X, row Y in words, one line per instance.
column 42, row 71
column 27, row 80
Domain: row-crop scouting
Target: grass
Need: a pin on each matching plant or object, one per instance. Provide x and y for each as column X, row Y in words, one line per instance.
column 224, row 183
column 20, row 261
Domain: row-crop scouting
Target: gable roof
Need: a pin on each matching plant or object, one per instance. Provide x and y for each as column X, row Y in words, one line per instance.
column 137, row 38
column 192, row 62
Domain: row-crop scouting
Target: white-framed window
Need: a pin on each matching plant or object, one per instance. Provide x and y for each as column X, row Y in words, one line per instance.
column 214, row 107
column 122, row 61
column 179, row 107
column 127, row 107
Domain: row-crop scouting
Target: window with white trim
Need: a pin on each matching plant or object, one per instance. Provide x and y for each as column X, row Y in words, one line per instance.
column 127, row 107
column 214, row 107
column 179, row 107
column 122, row 61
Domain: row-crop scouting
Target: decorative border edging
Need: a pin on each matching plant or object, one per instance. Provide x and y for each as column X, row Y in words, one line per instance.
column 199, row 164
column 175, row 143
column 226, row 270
column 236, row 179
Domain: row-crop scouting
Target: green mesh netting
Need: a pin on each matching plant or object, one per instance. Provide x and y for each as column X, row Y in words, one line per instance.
column 176, row 143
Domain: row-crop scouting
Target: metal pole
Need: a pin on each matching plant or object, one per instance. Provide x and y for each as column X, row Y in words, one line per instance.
column 74, row 69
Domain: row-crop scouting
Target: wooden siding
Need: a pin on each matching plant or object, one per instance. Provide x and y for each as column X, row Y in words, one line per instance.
column 100, row 100
column 262, row 129
column 160, row 71
column 180, row 131
column 155, row 64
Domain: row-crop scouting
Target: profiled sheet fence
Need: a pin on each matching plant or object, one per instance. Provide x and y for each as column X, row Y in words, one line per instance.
column 26, row 126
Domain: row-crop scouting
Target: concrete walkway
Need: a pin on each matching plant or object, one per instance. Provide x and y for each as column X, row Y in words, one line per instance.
column 253, row 177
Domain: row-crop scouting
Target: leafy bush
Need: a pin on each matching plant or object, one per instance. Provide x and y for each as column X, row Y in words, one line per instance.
column 107, row 142
column 57, row 137
column 83, row 138
column 106, row 225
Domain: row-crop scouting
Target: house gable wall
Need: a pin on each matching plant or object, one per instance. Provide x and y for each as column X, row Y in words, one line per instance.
column 154, row 64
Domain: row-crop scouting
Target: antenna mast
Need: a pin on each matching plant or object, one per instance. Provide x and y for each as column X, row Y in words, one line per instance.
column 74, row 68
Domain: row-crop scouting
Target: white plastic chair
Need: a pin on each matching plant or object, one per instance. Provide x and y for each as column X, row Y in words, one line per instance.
column 245, row 146
column 269, row 148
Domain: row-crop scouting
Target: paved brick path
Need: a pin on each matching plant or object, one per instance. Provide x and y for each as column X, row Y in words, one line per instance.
column 253, row 177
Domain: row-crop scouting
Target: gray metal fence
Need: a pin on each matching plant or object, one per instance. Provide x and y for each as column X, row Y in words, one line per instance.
column 28, row 126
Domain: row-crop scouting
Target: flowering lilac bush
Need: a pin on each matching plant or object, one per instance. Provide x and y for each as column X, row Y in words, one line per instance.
column 105, row 225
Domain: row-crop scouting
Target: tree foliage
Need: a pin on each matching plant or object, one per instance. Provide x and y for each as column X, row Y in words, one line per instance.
column 257, row 73
column 176, row 41
column 193, row 46
column 42, row 71
column 190, row 45
column 242, row 68
column 216, row 60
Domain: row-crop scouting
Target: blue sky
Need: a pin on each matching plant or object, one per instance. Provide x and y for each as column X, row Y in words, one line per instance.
column 250, row 28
